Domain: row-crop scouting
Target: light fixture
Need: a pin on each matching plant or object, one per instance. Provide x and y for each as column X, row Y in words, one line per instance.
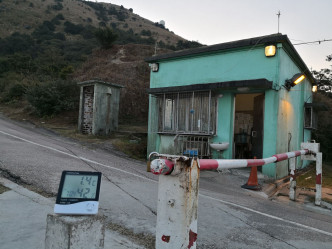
column 270, row 50
column 296, row 79
column 314, row 88
column 243, row 89
column 154, row 67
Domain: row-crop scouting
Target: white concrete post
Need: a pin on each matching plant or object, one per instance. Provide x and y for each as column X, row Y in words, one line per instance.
column 315, row 155
column 177, row 207
column 292, row 182
column 74, row 232
column 319, row 178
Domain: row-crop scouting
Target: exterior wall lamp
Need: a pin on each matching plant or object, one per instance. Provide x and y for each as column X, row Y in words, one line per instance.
column 270, row 50
column 296, row 79
column 314, row 88
column 154, row 67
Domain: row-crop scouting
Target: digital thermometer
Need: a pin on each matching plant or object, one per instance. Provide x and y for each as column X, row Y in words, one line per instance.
column 78, row 193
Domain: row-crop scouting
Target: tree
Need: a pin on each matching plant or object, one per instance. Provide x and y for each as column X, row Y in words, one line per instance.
column 106, row 37
column 323, row 133
column 324, row 79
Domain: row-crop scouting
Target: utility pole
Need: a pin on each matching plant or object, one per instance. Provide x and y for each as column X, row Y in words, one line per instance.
column 279, row 14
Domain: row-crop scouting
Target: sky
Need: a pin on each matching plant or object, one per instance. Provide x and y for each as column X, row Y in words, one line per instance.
column 217, row 21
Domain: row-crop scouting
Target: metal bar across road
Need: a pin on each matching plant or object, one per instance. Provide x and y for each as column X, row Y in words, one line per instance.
column 164, row 165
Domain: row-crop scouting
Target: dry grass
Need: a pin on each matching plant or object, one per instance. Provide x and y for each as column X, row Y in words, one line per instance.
column 131, row 139
column 307, row 182
column 3, row 189
column 308, row 179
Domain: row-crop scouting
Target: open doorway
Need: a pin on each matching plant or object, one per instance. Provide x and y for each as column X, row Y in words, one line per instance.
column 248, row 126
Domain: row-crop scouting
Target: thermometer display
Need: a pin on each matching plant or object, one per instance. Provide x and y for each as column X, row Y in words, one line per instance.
column 78, row 193
column 80, row 186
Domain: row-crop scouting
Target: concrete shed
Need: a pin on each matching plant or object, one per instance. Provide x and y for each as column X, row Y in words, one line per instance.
column 99, row 107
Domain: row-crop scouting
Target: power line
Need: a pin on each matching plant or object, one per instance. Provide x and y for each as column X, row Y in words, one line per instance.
column 319, row 42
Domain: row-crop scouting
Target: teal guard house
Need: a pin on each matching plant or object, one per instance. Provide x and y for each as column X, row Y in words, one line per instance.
column 242, row 99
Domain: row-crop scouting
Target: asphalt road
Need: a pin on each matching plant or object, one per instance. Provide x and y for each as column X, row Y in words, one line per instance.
column 228, row 217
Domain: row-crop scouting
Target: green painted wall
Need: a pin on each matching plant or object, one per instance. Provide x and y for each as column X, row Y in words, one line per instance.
column 227, row 66
column 270, row 130
column 106, row 109
column 225, row 127
column 153, row 136
column 290, row 116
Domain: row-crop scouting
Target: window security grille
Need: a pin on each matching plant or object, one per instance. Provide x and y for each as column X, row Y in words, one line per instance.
column 189, row 113
column 193, row 146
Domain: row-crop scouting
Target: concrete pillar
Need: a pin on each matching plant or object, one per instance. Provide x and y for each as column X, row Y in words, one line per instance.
column 292, row 182
column 177, row 207
column 319, row 178
column 74, row 232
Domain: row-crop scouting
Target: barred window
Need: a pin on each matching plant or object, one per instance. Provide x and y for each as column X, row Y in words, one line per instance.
column 189, row 112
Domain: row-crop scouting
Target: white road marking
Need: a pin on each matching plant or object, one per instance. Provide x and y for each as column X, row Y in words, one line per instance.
column 77, row 157
column 145, row 178
column 269, row 215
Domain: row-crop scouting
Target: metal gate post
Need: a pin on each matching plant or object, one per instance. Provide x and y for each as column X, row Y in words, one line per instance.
column 315, row 155
column 177, row 207
column 292, row 182
column 318, row 195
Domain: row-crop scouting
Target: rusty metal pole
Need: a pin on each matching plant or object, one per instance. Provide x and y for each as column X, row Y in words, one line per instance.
column 177, row 206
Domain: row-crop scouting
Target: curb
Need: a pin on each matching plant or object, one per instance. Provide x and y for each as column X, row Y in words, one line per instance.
column 26, row 192
column 326, row 205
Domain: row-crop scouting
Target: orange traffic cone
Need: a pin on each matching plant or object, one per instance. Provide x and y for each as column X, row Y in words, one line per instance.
column 252, row 183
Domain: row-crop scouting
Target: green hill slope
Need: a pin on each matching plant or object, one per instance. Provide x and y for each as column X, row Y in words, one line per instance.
column 46, row 46
column 25, row 16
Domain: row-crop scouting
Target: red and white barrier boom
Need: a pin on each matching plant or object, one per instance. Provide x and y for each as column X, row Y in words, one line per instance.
column 178, row 189
column 165, row 165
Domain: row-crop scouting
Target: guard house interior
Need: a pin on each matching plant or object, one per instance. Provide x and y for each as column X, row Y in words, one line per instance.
column 248, row 126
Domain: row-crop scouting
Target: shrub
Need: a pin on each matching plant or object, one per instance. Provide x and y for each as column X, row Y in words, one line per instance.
column 102, row 24
column 88, row 32
column 53, row 97
column 187, row 44
column 15, row 92
column 105, row 37
column 56, row 20
column 59, row 36
column 72, row 28
column 146, row 32
column 57, row 6
column 16, row 43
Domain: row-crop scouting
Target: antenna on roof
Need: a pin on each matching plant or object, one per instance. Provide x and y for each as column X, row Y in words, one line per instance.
column 279, row 14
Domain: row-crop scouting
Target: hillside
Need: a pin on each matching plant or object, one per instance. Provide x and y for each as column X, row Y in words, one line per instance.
column 124, row 65
column 47, row 46
column 25, row 16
